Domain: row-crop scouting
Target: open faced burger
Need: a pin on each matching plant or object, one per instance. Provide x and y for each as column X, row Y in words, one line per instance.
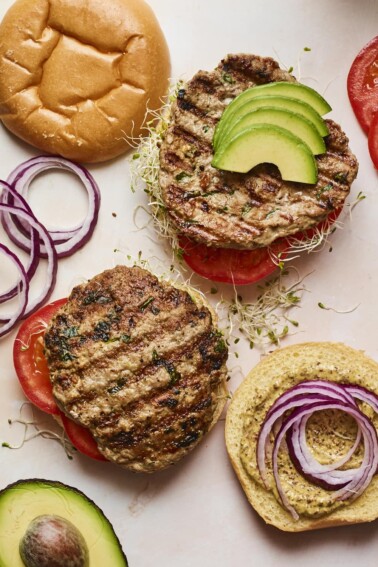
column 134, row 367
column 231, row 221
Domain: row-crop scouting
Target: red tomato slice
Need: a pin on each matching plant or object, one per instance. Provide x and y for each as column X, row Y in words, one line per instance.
column 29, row 360
column 33, row 373
column 81, row 438
column 362, row 84
column 373, row 140
column 239, row 267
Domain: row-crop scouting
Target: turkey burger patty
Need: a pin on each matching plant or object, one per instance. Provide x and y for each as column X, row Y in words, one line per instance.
column 141, row 364
column 233, row 210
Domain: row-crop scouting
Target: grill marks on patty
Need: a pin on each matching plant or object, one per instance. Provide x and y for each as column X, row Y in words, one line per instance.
column 232, row 210
column 139, row 363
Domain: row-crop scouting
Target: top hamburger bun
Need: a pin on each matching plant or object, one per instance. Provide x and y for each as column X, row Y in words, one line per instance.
column 326, row 434
column 77, row 76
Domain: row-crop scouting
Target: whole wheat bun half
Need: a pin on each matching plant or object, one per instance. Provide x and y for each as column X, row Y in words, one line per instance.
column 77, row 76
column 275, row 374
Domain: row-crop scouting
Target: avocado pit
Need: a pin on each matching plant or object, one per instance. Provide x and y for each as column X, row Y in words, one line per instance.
column 53, row 541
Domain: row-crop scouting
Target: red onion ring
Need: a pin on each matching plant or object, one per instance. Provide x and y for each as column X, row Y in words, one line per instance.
column 52, row 260
column 363, row 394
column 66, row 241
column 301, row 455
column 324, row 475
column 292, row 398
column 28, row 233
column 363, row 474
column 34, row 254
column 301, row 402
column 24, row 292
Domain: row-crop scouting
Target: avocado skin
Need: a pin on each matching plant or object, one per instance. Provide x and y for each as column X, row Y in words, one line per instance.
column 51, row 492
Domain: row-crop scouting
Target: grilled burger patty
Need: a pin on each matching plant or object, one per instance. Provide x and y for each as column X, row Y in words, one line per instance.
column 232, row 210
column 140, row 363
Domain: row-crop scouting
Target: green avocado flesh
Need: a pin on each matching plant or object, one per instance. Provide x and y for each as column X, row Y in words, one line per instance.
column 23, row 501
column 266, row 143
column 288, row 103
column 295, row 123
column 286, row 89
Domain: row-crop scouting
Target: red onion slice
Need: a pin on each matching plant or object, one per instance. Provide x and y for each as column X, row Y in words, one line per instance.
column 21, row 178
column 24, row 292
column 363, row 474
column 325, row 476
column 292, row 411
column 302, row 457
column 328, row 389
column 29, row 234
column 305, row 392
column 34, row 238
column 52, row 260
column 361, row 393
column 66, row 241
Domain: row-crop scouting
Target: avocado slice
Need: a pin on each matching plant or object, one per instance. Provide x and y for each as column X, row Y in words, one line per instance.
column 295, row 123
column 24, row 501
column 288, row 103
column 282, row 88
column 266, row 143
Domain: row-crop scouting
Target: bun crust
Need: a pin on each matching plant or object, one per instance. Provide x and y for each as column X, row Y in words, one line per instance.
column 315, row 360
column 77, row 76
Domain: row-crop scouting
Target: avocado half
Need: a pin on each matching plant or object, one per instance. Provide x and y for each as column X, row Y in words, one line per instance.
column 23, row 501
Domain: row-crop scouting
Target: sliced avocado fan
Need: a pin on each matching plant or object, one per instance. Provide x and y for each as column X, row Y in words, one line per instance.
column 279, row 123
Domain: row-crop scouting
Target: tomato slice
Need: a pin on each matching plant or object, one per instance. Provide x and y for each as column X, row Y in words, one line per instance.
column 373, row 140
column 81, row 438
column 33, row 373
column 362, row 84
column 240, row 267
column 29, row 361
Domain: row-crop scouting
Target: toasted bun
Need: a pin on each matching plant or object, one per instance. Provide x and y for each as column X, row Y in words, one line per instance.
column 276, row 373
column 77, row 76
